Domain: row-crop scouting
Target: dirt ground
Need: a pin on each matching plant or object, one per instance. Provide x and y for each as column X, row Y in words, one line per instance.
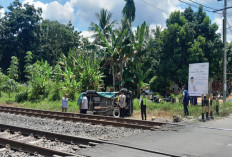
column 9, row 105
column 154, row 115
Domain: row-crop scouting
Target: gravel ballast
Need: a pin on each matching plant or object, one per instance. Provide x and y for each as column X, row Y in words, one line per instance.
column 68, row 128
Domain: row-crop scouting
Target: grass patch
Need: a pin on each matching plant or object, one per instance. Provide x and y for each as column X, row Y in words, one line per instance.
column 163, row 109
column 45, row 104
column 167, row 109
column 225, row 109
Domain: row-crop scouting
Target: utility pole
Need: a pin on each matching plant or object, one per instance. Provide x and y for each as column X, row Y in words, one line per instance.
column 225, row 56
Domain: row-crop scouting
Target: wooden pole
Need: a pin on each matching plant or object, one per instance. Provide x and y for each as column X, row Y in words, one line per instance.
column 203, row 107
column 207, row 106
column 211, row 106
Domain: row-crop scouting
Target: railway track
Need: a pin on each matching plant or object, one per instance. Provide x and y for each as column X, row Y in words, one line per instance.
column 42, row 143
column 86, row 118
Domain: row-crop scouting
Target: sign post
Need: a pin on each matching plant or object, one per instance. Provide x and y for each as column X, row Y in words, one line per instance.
column 198, row 79
column 198, row 83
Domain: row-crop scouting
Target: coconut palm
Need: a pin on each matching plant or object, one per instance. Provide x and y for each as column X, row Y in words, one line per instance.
column 104, row 24
column 129, row 11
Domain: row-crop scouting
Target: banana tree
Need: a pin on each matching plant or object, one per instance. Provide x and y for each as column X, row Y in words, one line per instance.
column 3, row 80
column 113, row 47
column 40, row 78
column 138, row 59
column 83, row 67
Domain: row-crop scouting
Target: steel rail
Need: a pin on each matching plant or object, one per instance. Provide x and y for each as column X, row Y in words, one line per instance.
column 66, row 138
column 52, row 136
column 88, row 116
column 93, row 119
column 32, row 148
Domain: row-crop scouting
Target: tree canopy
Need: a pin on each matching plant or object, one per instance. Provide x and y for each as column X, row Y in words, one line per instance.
column 51, row 57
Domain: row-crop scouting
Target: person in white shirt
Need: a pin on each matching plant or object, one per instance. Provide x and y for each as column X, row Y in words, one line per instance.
column 122, row 104
column 64, row 103
column 84, row 104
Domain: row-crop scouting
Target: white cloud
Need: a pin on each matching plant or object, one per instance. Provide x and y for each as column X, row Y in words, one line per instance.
column 144, row 12
column 82, row 12
column 55, row 11
column 62, row 13
column 2, row 12
column 218, row 20
column 88, row 35
column 153, row 26
column 92, row 4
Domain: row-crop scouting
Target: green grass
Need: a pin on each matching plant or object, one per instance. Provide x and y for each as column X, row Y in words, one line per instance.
column 152, row 107
column 225, row 109
column 45, row 104
column 178, row 109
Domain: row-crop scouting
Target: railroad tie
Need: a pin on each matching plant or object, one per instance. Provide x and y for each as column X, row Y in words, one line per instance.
column 13, row 136
column 3, row 133
column 155, row 128
column 76, row 148
column 93, row 143
column 84, row 146
column 3, row 150
column 38, row 141
column 26, row 138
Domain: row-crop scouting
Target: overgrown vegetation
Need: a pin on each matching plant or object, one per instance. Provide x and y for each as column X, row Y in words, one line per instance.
column 41, row 60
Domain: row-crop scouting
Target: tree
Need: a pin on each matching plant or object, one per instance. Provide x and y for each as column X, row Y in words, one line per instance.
column 104, row 24
column 28, row 66
column 81, row 71
column 113, row 48
column 129, row 11
column 13, row 69
column 19, row 34
column 185, row 42
column 40, row 80
column 3, row 80
column 56, row 39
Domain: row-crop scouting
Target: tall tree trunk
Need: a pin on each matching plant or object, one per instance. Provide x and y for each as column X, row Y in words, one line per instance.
column 113, row 73
column 121, row 73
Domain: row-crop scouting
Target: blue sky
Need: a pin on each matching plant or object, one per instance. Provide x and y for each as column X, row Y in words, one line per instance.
column 82, row 12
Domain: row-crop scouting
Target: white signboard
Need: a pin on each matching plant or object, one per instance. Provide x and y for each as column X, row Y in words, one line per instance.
column 198, row 79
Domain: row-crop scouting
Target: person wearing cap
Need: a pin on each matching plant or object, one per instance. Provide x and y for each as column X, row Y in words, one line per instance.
column 64, row 103
column 84, row 104
column 143, row 104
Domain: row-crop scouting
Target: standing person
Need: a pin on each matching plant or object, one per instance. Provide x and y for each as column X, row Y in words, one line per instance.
column 143, row 104
column 84, row 104
column 64, row 103
column 185, row 100
column 122, row 104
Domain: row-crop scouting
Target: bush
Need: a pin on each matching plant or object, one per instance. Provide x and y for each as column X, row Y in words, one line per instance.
column 136, row 104
column 159, row 84
column 225, row 109
column 71, row 95
column 55, row 93
column 21, row 97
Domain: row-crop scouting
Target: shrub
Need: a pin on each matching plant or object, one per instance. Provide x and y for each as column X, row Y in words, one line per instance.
column 159, row 84
column 136, row 104
column 21, row 97
column 55, row 93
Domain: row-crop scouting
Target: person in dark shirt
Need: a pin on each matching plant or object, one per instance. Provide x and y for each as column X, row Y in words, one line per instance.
column 185, row 100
